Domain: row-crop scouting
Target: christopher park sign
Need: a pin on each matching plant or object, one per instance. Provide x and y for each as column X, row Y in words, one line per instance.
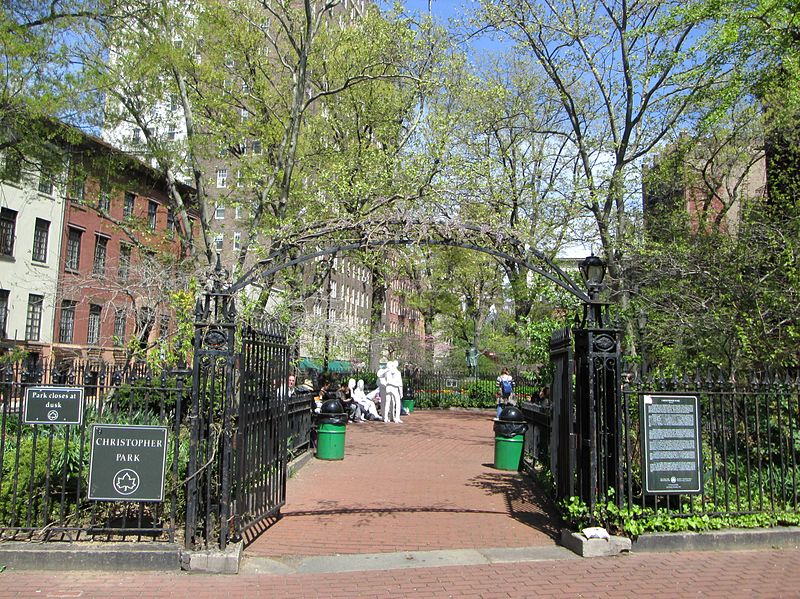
column 53, row 405
column 127, row 463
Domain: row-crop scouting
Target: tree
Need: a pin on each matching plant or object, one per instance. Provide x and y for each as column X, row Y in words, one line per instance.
column 625, row 75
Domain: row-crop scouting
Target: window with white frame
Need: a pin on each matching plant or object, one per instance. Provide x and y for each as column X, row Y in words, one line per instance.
column 100, row 254
column 237, row 241
column 152, row 214
column 33, row 321
column 73, row 257
column 41, row 232
column 222, row 178
column 4, row 293
column 8, row 229
column 219, row 212
column 120, row 317
column 93, row 332
column 45, row 181
column 128, row 204
column 66, row 324
column 218, row 240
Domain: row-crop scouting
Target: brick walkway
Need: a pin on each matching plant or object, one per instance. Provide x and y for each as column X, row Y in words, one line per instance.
column 428, row 484
column 729, row 575
column 425, row 484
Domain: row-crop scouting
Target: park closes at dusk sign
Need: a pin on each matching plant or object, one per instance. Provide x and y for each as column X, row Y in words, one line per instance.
column 53, row 405
column 671, row 450
column 127, row 462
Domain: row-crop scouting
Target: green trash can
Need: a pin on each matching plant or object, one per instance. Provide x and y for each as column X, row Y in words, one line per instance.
column 408, row 404
column 509, row 439
column 331, row 426
column 508, row 452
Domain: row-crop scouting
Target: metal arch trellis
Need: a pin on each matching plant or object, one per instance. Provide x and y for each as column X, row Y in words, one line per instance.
column 276, row 261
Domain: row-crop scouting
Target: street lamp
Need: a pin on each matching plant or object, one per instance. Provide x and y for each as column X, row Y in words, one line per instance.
column 593, row 271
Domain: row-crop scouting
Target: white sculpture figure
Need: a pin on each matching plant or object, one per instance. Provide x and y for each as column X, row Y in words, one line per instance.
column 381, row 373
column 367, row 405
column 393, row 382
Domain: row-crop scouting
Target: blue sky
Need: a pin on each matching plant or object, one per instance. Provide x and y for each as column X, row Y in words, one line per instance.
column 450, row 12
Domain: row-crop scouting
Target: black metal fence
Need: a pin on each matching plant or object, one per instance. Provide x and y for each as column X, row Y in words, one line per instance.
column 300, row 411
column 750, row 436
column 44, row 467
column 446, row 389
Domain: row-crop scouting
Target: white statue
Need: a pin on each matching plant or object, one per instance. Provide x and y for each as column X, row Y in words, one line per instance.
column 392, row 382
column 367, row 405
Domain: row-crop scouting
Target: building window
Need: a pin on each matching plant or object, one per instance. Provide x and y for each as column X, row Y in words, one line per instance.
column 119, row 327
column 33, row 323
column 238, row 212
column 127, row 206
column 8, row 227
column 218, row 242
column 77, row 188
column 171, row 133
column 124, row 262
column 104, row 200
column 3, row 313
column 256, row 147
column 12, row 168
column 222, row 178
column 173, row 102
column 145, row 320
column 73, row 260
column 66, row 326
column 45, row 181
column 237, row 241
column 136, row 136
column 41, row 232
column 152, row 214
column 93, row 334
column 219, row 212
column 170, row 222
column 100, row 253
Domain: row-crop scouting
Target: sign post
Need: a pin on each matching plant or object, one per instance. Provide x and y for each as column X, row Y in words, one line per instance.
column 53, row 405
column 671, row 449
column 127, row 463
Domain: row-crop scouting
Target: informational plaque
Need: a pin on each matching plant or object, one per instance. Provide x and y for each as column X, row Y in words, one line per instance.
column 53, row 405
column 671, row 449
column 127, row 463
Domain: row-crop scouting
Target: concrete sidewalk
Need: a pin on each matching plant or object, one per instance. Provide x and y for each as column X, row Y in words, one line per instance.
column 426, row 484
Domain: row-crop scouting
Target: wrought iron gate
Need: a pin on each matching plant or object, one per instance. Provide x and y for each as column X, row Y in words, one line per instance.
column 238, row 422
column 586, row 437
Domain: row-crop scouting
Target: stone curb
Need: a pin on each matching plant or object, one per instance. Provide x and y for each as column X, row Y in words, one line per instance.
column 213, row 561
column 145, row 556
column 329, row 564
column 719, row 540
column 578, row 543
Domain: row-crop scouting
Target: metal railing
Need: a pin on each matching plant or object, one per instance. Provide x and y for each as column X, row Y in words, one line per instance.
column 750, row 445
column 301, row 408
column 44, row 467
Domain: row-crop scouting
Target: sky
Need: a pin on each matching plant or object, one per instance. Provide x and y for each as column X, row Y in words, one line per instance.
column 450, row 12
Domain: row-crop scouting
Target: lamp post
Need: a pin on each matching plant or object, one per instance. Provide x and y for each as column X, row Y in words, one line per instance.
column 593, row 271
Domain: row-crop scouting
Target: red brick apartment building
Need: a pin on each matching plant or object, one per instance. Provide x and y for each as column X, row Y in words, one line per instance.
column 119, row 257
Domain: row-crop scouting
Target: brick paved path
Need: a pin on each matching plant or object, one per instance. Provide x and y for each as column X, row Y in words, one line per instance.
column 425, row 484
column 730, row 575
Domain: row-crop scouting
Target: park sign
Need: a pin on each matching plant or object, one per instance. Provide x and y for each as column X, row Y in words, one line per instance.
column 53, row 405
column 127, row 463
column 671, row 450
